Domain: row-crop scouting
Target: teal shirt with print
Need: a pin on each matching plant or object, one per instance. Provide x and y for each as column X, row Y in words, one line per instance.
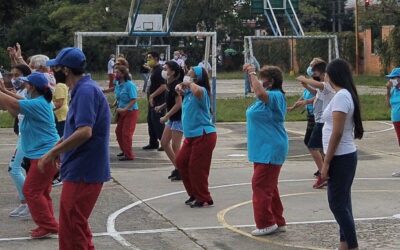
column 196, row 115
column 38, row 129
column 267, row 140
column 395, row 104
column 124, row 93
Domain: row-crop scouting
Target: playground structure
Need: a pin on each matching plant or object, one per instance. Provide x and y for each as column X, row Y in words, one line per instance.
column 148, row 29
column 272, row 9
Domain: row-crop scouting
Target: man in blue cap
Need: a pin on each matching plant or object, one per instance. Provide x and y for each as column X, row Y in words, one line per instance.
column 393, row 101
column 84, row 150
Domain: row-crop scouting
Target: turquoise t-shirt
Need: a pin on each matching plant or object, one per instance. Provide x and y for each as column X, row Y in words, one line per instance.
column 395, row 104
column 196, row 115
column 307, row 95
column 267, row 140
column 38, row 129
column 124, row 93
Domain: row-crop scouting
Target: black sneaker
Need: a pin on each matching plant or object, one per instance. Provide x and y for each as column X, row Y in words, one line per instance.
column 148, row 147
column 176, row 177
column 190, row 201
column 120, row 154
column 173, row 173
column 316, row 174
column 199, row 204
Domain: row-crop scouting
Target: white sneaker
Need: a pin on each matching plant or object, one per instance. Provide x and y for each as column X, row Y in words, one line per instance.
column 265, row 231
column 24, row 213
column 17, row 210
column 396, row 174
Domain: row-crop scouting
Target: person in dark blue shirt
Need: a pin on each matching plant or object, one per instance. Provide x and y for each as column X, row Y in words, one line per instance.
column 83, row 150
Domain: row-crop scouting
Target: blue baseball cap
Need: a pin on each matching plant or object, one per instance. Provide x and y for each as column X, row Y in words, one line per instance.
column 69, row 57
column 198, row 71
column 37, row 79
column 395, row 73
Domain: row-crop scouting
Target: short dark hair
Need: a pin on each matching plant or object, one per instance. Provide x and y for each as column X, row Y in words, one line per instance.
column 25, row 70
column 154, row 55
column 77, row 72
column 178, row 71
column 274, row 74
column 319, row 67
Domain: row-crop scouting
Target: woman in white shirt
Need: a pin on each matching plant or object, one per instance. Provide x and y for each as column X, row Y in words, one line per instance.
column 342, row 125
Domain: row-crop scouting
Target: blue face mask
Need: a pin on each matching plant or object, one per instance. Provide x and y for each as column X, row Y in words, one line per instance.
column 310, row 71
column 17, row 83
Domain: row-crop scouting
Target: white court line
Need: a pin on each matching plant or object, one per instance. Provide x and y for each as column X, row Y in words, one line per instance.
column 117, row 236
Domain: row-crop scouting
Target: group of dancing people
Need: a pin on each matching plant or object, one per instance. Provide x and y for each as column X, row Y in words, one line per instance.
column 178, row 107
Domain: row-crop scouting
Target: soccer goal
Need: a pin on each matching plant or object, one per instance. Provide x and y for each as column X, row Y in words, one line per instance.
column 291, row 53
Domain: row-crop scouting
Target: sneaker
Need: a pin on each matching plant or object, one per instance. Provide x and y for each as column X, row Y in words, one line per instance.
column 148, row 147
column 41, row 233
column 125, row 159
column 198, row 204
column 281, row 229
column 265, row 231
column 57, row 182
column 161, row 149
column 396, row 174
column 319, row 183
column 120, row 154
column 24, row 213
column 176, row 177
column 17, row 210
column 316, row 174
column 190, row 201
column 173, row 173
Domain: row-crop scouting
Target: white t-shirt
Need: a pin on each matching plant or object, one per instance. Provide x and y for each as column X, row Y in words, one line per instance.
column 180, row 62
column 321, row 101
column 110, row 66
column 205, row 66
column 342, row 102
column 1, row 76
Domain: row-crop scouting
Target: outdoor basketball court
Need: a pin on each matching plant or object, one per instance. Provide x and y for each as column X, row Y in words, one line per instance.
column 141, row 209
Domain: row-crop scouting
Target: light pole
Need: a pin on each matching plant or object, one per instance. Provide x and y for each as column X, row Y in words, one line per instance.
column 356, row 31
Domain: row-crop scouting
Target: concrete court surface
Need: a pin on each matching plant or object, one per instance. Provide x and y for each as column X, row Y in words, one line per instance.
column 141, row 209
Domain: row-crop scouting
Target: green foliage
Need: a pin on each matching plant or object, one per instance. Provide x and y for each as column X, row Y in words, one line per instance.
column 347, row 46
column 307, row 49
column 389, row 50
column 273, row 52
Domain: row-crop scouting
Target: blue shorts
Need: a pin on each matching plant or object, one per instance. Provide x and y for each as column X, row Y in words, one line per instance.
column 175, row 125
column 315, row 141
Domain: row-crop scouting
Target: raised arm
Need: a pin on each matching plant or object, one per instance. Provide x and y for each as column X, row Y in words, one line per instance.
column 259, row 91
column 311, row 82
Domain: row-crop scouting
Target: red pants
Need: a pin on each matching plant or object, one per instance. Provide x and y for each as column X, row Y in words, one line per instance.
column 124, row 131
column 37, row 188
column 76, row 205
column 397, row 129
column 267, row 205
column 110, row 80
column 193, row 162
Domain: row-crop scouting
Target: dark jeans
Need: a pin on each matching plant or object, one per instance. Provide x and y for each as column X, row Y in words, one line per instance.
column 155, row 128
column 60, row 128
column 341, row 172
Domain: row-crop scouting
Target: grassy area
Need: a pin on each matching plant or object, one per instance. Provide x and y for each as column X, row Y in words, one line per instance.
column 234, row 110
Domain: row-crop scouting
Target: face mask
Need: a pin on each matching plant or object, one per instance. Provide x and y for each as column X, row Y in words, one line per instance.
column 309, row 71
column 164, row 74
column 60, row 76
column 17, row 83
column 176, row 57
column 187, row 79
column 394, row 82
column 151, row 63
column 317, row 78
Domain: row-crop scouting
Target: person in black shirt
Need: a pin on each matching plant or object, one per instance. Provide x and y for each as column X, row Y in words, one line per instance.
column 145, row 73
column 155, row 97
column 173, row 130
